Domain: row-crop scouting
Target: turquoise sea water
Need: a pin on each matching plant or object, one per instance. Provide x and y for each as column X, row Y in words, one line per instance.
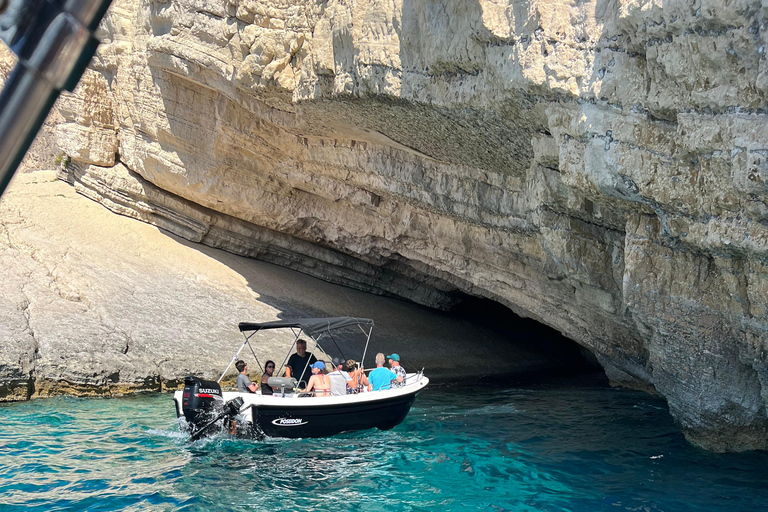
column 572, row 446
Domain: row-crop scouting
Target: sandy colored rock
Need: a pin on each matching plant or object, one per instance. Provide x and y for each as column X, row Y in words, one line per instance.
column 97, row 304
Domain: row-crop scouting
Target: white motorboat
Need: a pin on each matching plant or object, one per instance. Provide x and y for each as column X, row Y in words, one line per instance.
column 288, row 412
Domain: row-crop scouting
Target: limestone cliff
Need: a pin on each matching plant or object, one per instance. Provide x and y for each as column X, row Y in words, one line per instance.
column 600, row 166
column 94, row 303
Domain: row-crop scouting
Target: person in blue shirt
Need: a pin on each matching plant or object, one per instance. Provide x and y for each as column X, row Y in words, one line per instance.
column 381, row 378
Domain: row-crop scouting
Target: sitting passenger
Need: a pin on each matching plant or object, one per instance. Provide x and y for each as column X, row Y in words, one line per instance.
column 394, row 365
column 358, row 381
column 339, row 378
column 381, row 378
column 269, row 369
column 244, row 384
column 319, row 383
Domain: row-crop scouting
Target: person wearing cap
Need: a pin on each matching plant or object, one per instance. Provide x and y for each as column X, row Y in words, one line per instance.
column 394, row 365
column 319, row 383
column 381, row 378
column 358, row 381
column 339, row 378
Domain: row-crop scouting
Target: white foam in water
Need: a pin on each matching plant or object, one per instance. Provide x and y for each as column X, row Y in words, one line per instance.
column 499, row 409
column 171, row 434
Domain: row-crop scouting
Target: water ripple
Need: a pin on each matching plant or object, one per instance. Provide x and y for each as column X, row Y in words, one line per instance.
column 558, row 448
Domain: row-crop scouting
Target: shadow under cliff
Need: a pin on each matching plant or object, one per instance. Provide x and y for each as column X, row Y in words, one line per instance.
column 478, row 339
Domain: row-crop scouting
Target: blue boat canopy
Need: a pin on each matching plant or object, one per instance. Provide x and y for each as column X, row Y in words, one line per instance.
column 311, row 326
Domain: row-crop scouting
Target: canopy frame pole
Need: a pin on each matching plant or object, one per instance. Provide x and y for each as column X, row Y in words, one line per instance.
column 298, row 331
column 343, row 357
column 290, row 350
column 367, row 340
column 314, row 349
column 261, row 369
column 237, row 355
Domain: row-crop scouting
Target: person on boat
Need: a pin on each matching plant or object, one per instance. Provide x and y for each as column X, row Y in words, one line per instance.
column 339, row 378
column 298, row 365
column 381, row 378
column 269, row 369
column 318, row 382
column 358, row 381
column 244, row 384
column 394, row 365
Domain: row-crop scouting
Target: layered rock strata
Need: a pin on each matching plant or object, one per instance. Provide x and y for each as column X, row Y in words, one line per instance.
column 598, row 166
column 97, row 304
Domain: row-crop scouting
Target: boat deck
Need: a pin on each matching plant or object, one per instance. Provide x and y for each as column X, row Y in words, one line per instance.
column 414, row 383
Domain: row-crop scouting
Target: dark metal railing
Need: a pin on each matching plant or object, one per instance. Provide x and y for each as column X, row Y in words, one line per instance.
column 54, row 41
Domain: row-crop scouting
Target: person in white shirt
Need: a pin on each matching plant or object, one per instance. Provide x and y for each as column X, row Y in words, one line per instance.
column 339, row 378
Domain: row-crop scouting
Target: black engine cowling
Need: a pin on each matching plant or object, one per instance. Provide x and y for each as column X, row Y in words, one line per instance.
column 201, row 400
column 205, row 410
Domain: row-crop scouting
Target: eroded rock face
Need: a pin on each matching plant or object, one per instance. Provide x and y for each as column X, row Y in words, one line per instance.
column 598, row 166
column 96, row 304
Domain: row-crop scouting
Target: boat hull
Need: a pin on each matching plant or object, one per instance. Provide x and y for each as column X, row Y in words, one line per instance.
column 295, row 415
column 328, row 420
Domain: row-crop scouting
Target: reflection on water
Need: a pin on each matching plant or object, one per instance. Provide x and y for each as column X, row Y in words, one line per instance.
column 575, row 446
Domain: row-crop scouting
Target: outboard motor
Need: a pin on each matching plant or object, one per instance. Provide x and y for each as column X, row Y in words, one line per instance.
column 201, row 400
column 204, row 407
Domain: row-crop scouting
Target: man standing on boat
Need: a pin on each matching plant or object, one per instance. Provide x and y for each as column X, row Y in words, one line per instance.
column 299, row 363
column 244, row 384
column 381, row 378
column 394, row 365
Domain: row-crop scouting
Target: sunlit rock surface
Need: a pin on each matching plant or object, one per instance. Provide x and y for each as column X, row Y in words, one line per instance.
column 98, row 304
column 598, row 166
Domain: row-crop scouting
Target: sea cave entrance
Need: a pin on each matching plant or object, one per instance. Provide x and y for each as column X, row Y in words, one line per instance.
column 557, row 355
